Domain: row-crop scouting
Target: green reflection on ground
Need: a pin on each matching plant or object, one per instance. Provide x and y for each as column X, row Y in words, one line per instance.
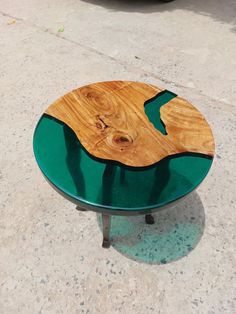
column 175, row 233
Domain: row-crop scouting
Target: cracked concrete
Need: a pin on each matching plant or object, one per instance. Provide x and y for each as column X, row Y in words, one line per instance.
column 51, row 256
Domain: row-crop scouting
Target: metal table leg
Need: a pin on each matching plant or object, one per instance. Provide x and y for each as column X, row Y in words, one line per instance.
column 106, row 222
column 81, row 208
column 149, row 219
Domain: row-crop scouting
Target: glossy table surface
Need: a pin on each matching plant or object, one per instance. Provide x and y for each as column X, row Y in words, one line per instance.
column 110, row 122
column 111, row 186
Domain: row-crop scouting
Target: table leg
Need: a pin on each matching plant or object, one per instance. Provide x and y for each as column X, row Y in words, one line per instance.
column 149, row 219
column 81, row 208
column 106, row 222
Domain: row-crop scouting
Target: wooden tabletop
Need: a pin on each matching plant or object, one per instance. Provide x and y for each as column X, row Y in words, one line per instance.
column 110, row 122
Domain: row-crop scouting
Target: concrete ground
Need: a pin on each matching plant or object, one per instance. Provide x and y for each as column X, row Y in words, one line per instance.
column 51, row 260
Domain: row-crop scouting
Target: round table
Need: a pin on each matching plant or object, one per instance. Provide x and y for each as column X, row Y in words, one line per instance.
column 110, row 186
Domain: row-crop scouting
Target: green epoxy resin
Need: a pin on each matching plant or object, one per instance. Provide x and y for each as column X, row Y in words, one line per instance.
column 94, row 181
column 152, row 109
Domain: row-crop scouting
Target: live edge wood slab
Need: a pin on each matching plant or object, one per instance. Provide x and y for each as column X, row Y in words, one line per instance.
column 110, row 122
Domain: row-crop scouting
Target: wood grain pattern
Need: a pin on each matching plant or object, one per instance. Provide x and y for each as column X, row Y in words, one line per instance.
column 109, row 120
